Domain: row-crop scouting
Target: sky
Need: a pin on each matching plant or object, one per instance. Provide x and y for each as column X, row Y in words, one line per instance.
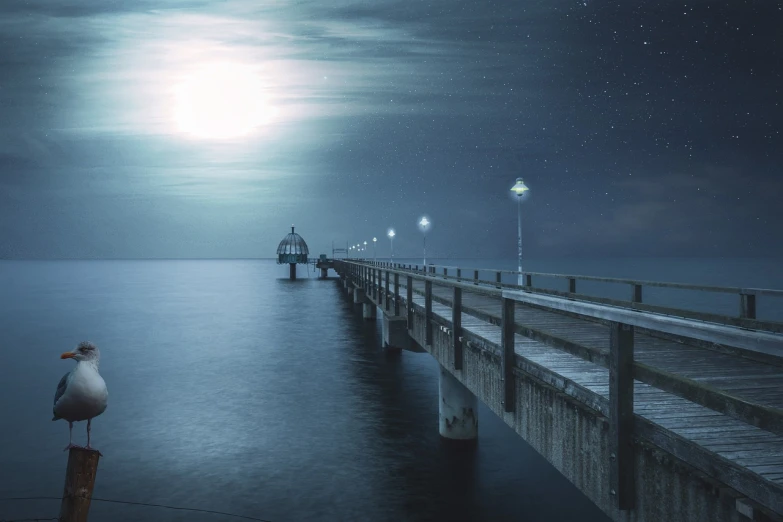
column 206, row 128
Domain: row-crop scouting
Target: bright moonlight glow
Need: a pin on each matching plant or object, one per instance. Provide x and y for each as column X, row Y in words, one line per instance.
column 221, row 101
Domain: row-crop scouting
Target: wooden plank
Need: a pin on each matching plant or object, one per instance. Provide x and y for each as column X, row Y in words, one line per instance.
column 508, row 357
column 456, row 322
column 428, row 312
column 396, row 294
column 409, row 301
column 763, row 417
column 621, row 476
column 386, row 292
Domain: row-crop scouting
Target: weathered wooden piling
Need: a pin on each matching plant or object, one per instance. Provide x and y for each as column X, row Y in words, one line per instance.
column 79, row 482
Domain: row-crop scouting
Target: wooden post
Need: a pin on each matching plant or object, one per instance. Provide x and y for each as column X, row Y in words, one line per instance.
column 79, row 482
column 747, row 306
column 475, row 277
column 459, row 274
column 456, row 324
column 428, row 312
column 386, row 292
column 636, row 293
column 497, row 279
column 396, row 294
column 571, row 285
column 409, row 300
column 621, row 475
column 507, row 355
column 528, row 280
column 445, row 272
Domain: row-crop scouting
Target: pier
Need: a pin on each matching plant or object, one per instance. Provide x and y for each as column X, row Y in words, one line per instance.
column 655, row 413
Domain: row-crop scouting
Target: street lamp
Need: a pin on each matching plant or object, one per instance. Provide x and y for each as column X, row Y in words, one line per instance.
column 391, row 244
column 423, row 226
column 374, row 240
column 519, row 189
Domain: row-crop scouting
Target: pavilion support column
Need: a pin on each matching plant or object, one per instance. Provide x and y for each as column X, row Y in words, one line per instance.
column 457, row 411
column 395, row 333
column 292, row 271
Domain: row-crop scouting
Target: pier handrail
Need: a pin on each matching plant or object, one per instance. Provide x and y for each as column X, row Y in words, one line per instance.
column 746, row 318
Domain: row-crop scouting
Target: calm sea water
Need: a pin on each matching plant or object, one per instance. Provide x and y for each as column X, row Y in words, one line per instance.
column 234, row 389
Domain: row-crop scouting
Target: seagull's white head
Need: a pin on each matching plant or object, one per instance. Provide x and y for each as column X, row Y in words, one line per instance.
column 86, row 351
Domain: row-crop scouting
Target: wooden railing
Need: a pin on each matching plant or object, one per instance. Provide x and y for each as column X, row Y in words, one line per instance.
column 746, row 297
column 619, row 360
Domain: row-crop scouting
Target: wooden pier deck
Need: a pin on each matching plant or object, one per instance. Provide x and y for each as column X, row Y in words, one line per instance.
column 709, row 394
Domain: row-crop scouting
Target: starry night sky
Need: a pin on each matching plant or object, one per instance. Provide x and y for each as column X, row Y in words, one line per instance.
column 642, row 128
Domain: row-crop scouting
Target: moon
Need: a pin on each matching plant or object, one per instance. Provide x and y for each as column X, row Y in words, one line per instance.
column 221, row 101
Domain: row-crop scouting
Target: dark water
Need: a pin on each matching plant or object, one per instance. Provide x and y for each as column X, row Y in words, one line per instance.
column 233, row 389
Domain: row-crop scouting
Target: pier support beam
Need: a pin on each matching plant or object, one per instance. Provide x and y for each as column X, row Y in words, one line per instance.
column 457, row 411
column 395, row 332
column 358, row 296
column 369, row 310
column 324, row 273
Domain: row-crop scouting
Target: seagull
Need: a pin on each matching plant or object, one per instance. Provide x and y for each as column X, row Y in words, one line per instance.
column 81, row 394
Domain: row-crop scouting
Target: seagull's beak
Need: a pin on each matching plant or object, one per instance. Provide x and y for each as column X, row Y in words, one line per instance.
column 68, row 355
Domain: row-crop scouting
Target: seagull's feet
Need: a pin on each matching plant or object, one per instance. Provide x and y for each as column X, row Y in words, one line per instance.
column 72, row 445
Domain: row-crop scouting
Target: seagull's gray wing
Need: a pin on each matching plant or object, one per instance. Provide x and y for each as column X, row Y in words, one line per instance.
column 61, row 387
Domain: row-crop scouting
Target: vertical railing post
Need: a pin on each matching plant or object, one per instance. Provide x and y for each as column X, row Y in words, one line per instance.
column 621, row 472
column 445, row 272
column 475, row 277
column 636, row 293
column 571, row 285
column 386, row 292
column 459, row 274
column 507, row 355
column 456, row 324
column 409, row 300
column 376, row 283
column 428, row 312
column 396, row 294
column 497, row 279
column 748, row 306
column 528, row 280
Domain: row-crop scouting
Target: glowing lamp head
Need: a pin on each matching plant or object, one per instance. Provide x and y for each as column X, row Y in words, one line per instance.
column 424, row 224
column 391, row 232
column 519, row 187
column 365, row 243
column 374, row 239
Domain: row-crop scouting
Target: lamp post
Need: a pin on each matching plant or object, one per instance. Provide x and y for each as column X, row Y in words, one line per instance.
column 519, row 189
column 374, row 240
column 424, row 225
column 391, row 244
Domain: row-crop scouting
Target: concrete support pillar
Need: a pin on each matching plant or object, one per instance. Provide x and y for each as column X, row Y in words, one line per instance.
column 358, row 296
column 457, row 411
column 369, row 310
column 395, row 332
column 347, row 283
column 324, row 272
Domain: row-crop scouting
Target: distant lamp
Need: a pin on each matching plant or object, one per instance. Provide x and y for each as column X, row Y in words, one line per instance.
column 374, row 240
column 424, row 225
column 519, row 189
column 391, row 235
